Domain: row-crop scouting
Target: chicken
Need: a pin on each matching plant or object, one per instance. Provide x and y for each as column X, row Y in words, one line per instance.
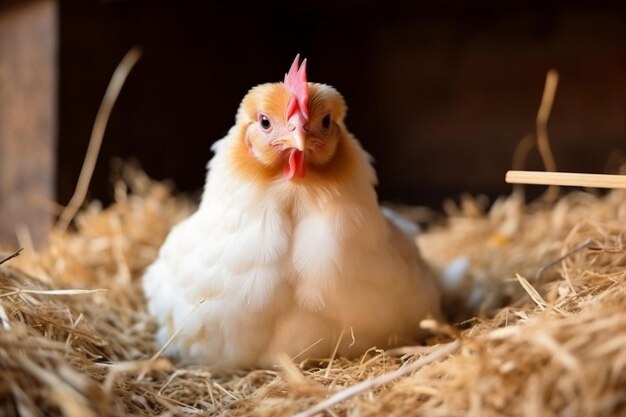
column 289, row 251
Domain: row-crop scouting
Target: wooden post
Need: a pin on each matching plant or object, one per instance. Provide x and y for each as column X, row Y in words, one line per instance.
column 28, row 53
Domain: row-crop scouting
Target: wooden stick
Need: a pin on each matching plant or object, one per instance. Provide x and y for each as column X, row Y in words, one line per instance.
column 572, row 179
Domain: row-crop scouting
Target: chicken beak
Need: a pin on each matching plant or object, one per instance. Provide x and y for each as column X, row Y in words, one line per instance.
column 295, row 165
column 297, row 126
column 298, row 139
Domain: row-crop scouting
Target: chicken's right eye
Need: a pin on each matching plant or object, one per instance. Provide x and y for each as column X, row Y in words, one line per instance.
column 265, row 122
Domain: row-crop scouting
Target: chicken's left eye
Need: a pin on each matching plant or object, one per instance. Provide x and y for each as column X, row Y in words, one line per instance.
column 265, row 122
column 326, row 121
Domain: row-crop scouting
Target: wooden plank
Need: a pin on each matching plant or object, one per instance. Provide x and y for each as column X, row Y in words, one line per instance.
column 569, row 179
column 28, row 51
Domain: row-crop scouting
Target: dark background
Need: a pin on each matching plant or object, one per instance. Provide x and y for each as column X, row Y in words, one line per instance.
column 439, row 92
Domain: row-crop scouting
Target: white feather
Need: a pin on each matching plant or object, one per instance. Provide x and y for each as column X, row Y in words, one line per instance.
column 284, row 268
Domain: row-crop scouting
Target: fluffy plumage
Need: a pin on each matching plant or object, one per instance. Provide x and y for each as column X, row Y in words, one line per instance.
column 274, row 262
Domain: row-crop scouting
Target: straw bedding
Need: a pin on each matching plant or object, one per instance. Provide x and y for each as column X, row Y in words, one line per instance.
column 547, row 338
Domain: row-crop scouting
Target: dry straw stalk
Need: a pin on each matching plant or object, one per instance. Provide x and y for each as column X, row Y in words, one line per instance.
column 547, row 347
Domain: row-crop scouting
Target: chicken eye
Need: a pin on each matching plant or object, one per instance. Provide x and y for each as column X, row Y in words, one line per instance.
column 326, row 121
column 265, row 122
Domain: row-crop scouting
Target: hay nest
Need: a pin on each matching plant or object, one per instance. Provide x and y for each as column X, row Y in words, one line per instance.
column 75, row 338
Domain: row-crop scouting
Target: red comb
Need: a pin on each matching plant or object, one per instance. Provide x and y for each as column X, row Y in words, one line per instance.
column 295, row 81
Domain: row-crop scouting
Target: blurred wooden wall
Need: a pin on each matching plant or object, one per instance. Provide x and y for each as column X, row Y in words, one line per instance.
column 439, row 92
column 28, row 73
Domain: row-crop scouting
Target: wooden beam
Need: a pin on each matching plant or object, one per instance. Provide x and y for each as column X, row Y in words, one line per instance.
column 28, row 54
column 570, row 179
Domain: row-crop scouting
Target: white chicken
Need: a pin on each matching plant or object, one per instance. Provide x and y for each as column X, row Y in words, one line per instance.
column 289, row 248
